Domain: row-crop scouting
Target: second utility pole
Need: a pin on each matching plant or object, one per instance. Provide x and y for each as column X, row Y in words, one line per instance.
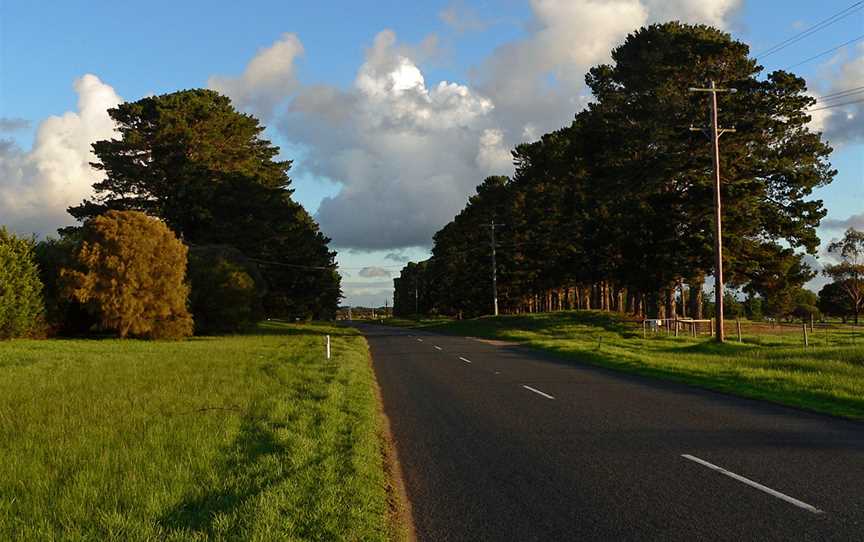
column 494, row 271
column 718, row 226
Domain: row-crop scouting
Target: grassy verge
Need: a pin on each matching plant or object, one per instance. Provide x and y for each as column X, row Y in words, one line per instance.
column 252, row 437
column 828, row 377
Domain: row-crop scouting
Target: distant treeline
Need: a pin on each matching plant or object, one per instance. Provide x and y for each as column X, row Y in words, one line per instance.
column 614, row 211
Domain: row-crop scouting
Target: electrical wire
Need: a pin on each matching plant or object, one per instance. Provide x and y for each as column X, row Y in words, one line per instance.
column 840, row 93
column 823, row 53
column 857, row 6
column 835, row 105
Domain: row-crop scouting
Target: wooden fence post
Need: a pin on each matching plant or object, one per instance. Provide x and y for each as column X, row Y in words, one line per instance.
column 738, row 324
column 804, row 327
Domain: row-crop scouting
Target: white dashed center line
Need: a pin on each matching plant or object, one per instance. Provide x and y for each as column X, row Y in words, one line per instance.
column 538, row 392
column 420, row 340
column 465, row 360
column 436, row 347
column 751, row 483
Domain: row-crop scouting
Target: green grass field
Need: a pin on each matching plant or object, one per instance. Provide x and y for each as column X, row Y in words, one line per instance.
column 253, row 437
column 770, row 364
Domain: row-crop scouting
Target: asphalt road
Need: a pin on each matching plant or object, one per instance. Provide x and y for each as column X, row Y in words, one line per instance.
column 501, row 443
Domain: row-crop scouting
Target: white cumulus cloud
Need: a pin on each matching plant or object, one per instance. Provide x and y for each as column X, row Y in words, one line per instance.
column 408, row 152
column 37, row 186
column 268, row 77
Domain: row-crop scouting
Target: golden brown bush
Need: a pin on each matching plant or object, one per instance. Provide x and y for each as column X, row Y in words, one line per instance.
column 130, row 271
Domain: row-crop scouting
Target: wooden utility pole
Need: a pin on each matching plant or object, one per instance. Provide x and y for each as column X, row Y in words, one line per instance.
column 716, row 132
column 492, row 226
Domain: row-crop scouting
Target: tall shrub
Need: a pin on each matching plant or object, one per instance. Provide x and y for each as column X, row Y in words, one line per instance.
column 227, row 289
column 129, row 271
column 21, row 305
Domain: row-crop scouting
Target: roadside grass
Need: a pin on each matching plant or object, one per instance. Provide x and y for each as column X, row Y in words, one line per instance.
column 253, row 437
column 827, row 377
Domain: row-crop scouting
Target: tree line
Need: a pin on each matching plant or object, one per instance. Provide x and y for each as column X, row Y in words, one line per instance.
column 614, row 211
column 194, row 220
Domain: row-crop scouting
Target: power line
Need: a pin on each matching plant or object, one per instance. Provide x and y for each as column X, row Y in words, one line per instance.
column 840, row 93
column 294, row 265
column 823, row 53
column 857, row 6
column 835, row 105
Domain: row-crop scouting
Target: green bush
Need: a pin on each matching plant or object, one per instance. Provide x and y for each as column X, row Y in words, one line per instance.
column 227, row 289
column 21, row 306
column 129, row 272
column 63, row 315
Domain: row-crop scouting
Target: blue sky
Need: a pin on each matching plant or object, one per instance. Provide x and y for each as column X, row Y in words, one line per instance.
column 499, row 57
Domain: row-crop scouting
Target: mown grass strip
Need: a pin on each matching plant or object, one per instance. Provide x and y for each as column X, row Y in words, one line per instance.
column 828, row 377
column 253, row 437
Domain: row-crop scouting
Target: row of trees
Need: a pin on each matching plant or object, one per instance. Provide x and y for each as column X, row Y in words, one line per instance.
column 614, row 212
column 198, row 171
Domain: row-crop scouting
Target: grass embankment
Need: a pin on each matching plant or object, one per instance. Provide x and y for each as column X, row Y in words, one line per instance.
column 253, row 437
column 826, row 377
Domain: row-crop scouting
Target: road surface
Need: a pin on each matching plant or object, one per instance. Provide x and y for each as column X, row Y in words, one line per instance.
column 497, row 442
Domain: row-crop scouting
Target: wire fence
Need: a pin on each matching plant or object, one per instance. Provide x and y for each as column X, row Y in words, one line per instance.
column 814, row 333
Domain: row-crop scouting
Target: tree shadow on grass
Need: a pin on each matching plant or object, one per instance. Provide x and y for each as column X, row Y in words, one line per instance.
column 245, row 474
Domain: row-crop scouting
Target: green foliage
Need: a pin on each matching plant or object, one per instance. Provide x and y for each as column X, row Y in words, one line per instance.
column 63, row 315
column 226, row 289
column 753, row 308
column 732, row 307
column 248, row 437
column 21, row 305
column 616, row 209
column 197, row 163
column 834, row 301
column 849, row 273
column 129, row 271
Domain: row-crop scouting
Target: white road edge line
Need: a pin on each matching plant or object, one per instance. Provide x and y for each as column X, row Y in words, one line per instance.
column 751, row 483
column 538, row 392
column 465, row 360
column 437, row 347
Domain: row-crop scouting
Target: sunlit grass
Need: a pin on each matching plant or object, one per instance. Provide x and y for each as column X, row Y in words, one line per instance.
column 253, row 437
column 826, row 377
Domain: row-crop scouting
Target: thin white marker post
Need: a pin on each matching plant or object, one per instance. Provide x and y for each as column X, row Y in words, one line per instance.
column 328, row 346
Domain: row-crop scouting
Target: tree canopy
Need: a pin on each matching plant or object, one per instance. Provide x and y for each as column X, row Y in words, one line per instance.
column 615, row 210
column 191, row 159
column 848, row 274
column 129, row 271
column 21, row 306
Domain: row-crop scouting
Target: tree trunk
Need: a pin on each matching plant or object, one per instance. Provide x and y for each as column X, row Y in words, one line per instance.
column 670, row 303
column 696, row 297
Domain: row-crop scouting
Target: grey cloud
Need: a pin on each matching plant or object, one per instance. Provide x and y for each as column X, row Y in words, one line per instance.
column 399, row 257
column 463, row 18
column 8, row 124
column 373, row 272
column 353, row 285
column 842, row 120
column 854, row 221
